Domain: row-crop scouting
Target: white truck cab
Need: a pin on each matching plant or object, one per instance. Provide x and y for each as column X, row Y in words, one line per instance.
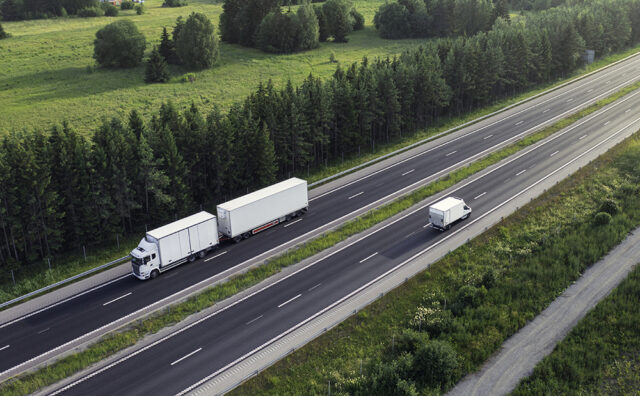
column 145, row 259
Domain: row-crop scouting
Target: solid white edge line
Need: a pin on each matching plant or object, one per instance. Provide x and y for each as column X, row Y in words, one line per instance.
column 253, row 320
column 169, row 336
column 186, row 356
column 116, row 299
column 554, row 153
column 480, row 195
column 283, row 334
column 288, row 301
column 631, row 65
column 292, row 223
column 521, row 172
column 406, row 173
column 367, row 258
column 4, row 347
column 64, row 301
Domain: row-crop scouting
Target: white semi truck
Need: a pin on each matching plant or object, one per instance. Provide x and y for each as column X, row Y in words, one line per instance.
column 446, row 212
column 255, row 212
column 173, row 244
column 185, row 239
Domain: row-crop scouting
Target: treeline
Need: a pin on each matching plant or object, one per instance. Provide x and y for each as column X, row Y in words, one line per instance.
column 262, row 24
column 31, row 9
column 58, row 190
column 438, row 18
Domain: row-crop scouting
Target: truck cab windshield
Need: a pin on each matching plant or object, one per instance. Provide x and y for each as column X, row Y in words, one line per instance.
column 136, row 261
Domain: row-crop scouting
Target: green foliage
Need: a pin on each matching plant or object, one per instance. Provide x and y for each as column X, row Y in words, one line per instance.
column 602, row 218
column 109, row 10
column 240, row 19
column 9, row 10
column 609, row 206
column 3, row 34
column 600, row 354
column 435, row 364
column 119, row 44
column 358, row 19
column 91, row 12
column 139, row 9
column 157, row 69
column 338, row 20
column 174, row 3
column 286, row 33
column 127, row 5
column 196, row 44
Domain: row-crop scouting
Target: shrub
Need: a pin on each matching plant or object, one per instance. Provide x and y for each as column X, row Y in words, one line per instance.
column 358, row 19
column 286, row 33
column 602, row 218
column 174, row 3
column 189, row 77
column 91, row 12
column 109, row 10
column 140, row 9
column 338, row 21
column 127, row 5
column 392, row 21
column 196, row 44
column 119, row 44
column 3, row 34
column 156, row 70
column 435, row 363
column 609, row 206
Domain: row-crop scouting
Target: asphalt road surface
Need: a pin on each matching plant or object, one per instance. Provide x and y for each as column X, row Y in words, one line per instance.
column 195, row 352
column 41, row 334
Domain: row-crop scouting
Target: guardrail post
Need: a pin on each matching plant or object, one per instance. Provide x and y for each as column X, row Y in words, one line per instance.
column 13, row 278
column 84, row 253
column 118, row 238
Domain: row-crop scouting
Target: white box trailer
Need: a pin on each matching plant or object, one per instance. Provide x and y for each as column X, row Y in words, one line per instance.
column 173, row 244
column 259, row 210
column 446, row 212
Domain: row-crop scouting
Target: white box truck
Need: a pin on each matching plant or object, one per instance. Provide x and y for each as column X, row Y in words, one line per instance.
column 255, row 212
column 446, row 212
column 173, row 244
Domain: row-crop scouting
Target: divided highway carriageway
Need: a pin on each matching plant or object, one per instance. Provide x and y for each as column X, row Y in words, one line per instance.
column 42, row 334
column 188, row 357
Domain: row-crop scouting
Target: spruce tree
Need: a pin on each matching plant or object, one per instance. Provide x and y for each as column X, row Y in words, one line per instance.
column 167, row 48
column 9, row 10
column 156, row 70
column 136, row 124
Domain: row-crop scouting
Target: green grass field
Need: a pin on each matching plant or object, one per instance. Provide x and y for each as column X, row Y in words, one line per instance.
column 44, row 76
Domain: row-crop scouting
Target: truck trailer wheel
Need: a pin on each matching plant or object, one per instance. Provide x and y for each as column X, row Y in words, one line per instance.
column 192, row 258
column 202, row 254
column 154, row 274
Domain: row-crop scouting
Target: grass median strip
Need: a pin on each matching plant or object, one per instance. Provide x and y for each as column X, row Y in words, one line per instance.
column 425, row 335
column 115, row 342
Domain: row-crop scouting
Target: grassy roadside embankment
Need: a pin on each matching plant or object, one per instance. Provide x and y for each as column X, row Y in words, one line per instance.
column 38, row 276
column 601, row 355
column 119, row 341
column 469, row 302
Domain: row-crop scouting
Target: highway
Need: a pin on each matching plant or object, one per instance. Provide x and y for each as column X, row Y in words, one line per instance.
column 44, row 333
column 182, row 360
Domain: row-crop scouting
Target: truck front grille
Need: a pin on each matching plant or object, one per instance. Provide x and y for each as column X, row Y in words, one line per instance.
column 136, row 269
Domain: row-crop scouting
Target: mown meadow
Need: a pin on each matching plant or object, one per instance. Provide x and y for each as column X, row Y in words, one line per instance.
column 47, row 73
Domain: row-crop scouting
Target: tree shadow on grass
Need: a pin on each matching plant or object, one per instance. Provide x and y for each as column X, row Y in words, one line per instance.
column 72, row 82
